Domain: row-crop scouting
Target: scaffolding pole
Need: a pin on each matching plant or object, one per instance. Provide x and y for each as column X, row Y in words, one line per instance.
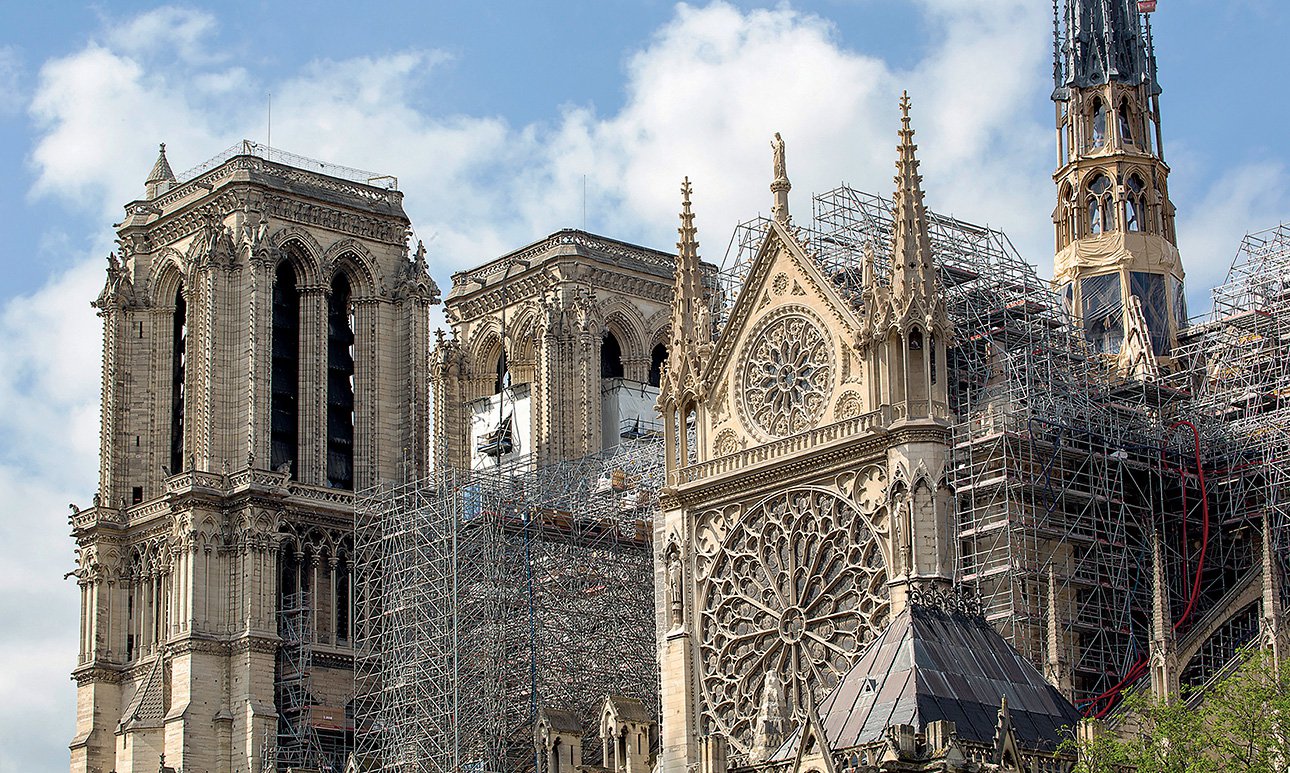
column 484, row 596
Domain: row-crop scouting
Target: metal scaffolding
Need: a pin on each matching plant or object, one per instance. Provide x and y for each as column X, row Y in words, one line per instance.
column 485, row 596
column 1238, row 366
column 1062, row 470
column 301, row 744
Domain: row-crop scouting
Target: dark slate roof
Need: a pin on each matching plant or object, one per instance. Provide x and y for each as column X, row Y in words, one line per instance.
column 930, row 665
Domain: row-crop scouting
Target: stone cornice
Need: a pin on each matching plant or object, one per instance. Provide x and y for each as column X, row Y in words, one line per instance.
column 800, row 457
column 572, row 242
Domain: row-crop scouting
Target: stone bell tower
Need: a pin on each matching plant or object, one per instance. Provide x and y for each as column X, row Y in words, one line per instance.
column 1117, row 258
column 264, row 356
column 556, row 352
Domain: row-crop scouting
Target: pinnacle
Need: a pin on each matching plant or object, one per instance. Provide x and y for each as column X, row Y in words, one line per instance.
column 161, row 171
column 688, row 246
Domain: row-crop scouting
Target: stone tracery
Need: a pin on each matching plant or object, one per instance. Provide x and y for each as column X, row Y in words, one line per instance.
column 788, row 375
column 795, row 584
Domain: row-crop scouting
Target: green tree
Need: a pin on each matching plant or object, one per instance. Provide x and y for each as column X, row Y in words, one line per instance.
column 1239, row 723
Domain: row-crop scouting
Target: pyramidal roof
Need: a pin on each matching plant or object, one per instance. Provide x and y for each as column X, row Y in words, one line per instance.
column 933, row 664
column 161, row 171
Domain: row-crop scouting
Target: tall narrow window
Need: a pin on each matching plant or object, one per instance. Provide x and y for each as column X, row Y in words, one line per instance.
column 1099, row 123
column 178, row 373
column 284, row 378
column 611, row 357
column 503, row 373
column 1135, row 203
column 657, row 359
column 1126, row 125
column 1101, row 217
column 340, row 386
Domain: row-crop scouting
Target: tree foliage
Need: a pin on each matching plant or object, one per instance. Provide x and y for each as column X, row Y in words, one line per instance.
column 1241, row 722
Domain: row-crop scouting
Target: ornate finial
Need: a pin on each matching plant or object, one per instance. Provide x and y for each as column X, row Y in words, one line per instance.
column 780, row 186
column 904, row 111
column 688, row 246
column 420, row 255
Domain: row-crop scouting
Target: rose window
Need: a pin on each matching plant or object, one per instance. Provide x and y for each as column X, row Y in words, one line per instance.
column 796, row 585
column 787, row 376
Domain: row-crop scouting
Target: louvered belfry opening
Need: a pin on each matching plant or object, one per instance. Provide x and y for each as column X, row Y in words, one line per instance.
column 284, row 379
column 340, row 385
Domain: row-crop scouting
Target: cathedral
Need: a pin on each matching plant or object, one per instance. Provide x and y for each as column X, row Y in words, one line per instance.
column 870, row 495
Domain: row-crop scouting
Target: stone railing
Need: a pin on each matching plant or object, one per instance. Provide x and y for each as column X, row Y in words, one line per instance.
column 788, row 446
column 609, row 247
column 93, row 516
column 250, row 157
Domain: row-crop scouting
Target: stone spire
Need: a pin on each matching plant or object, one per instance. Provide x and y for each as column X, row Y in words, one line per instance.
column 1103, row 43
column 690, row 340
column 1056, row 672
column 911, row 255
column 161, row 175
column 1163, row 649
column 687, row 295
column 780, row 186
column 1274, row 633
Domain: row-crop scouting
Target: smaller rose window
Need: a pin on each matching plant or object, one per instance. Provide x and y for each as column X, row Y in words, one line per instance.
column 787, row 376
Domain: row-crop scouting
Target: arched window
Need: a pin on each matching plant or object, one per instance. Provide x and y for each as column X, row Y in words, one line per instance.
column 284, row 377
column 178, row 372
column 1126, row 124
column 341, row 607
column 1099, row 122
column 503, row 380
column 1101, row 217
column 931, row 354
column 1065, row 216
column 611, row 357
column 657, row 359
column 1135, row 204
column 340, row 386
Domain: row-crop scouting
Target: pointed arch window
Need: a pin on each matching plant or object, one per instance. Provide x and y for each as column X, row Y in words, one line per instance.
column 1126, row 122
column 1101, row 216
column 503, row 372
column 611, row 357
column 1065, row 216
column 1135, row 204
column 657, row 359
column 1099, row 122
column 284, row 377
column 178, row 376
column 340, row 385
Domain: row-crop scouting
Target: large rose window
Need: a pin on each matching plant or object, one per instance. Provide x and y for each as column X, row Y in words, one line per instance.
column 787, row 375
column 795, row 585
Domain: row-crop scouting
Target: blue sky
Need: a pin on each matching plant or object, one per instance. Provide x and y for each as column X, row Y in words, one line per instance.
column 491, row 115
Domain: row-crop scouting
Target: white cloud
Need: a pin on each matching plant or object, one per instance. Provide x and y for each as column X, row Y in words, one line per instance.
column 183, row 31
column 1244, row 199
column 702, row 98
column 49, row 387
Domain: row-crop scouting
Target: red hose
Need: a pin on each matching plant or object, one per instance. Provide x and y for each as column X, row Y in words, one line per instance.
column 1204, row 509
column 1138, row 667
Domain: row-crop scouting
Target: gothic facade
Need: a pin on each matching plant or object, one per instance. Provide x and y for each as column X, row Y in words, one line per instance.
column 265, row 354
column 555, row 352
column 900, row 473
column 809, row 518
